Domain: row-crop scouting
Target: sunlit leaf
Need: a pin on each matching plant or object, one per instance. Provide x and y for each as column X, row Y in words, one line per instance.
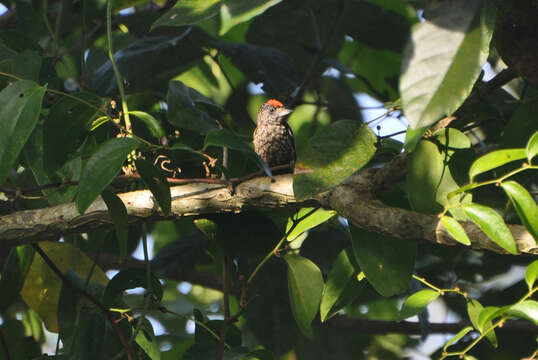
column 532, row 147
column 333, row 155
column 531, row 274
column 525, row 206
column 316, row 218
column 495, row 159
column 458, row 336
column 474, row 308
column 417, row 303
column 443, row 59
column 455, row 230
column 492, row 224
column 527, row 309
column 154, row 126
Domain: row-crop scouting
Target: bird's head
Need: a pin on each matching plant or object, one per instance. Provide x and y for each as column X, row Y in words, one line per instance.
column 272, row 112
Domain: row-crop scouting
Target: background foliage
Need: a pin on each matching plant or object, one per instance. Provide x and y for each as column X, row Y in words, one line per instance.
column 103, row 97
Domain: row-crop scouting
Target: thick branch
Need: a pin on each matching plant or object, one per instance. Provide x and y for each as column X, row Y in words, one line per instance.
column 352, row 199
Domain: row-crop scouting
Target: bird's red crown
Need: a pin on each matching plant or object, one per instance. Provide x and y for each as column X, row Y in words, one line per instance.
column 274, row 103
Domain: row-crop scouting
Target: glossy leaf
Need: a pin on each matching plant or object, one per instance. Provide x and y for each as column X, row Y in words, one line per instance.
column 495, row 159
column 492, row 224
column 154, row 126
column 458, row 336
column 525, row 206
column 532, row 147
column 486, row 316
column 417, row 303
column 189, row 12
column 531, row 274
column 20, row 104
column 156, row 181
column 342, row 286
column 474, row 308
column 130, row 279
column 527, row 309
column 120, row 218
column 101, row 168
column 386, row 261
column 443, row 59
column 316, row 218
column 66, row 127
column 305, row 285
column 41, row 280
column 237, row 11
column 455, row 230
column 333, row 155
column 182, row 109
column 147, row 341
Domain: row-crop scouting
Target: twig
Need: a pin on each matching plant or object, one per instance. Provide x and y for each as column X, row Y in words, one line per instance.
column 501, row 79
column 226, row 301
column 87, row 295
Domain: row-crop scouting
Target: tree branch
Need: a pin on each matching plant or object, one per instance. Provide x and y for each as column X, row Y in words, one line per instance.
column 353, row 200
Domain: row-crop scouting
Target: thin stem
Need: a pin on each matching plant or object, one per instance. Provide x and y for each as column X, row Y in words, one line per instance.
column 148, row 294
column 439, row 290
column 279, row 244
column 49, row 28
column 119, row 82
column 226, row 303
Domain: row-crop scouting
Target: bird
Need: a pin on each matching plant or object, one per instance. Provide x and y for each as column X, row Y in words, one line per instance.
column 273, row 138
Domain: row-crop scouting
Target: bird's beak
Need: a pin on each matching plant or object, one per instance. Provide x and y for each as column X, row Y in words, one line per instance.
column 284, row 112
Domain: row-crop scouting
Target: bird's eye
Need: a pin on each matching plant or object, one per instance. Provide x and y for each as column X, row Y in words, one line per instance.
column 272, row 110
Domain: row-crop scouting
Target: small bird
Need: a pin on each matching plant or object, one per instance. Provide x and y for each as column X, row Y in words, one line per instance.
column 273, row 138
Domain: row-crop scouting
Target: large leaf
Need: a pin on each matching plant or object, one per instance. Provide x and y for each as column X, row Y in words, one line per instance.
column 333, row 155
column 66, row 127
column 101, row 168
column 234, row 12
column 120, row 218
column 443, row 59
column 527, row 309
column 455, row 230
column 41, row 289
column 157, row 183
column 342, row 286
column 492, row 224
column 183, row 111
column 316, row 218
column 532, row 147
column 147, row 63
column 433, row 170
column 525, row 206
column 386, row 261
column 16, row 267
column 154, row 126
column 305, row 285
column 495, row 159
column 20, row 104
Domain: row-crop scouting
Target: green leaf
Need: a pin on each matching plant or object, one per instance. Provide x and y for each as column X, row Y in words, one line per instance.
column 532, row 147
column 154, row 126
column 443, row 59
column 66, row 127
column 495, row 159
column 234, row 12
column 316, row 218
column 101, row 168
column 189, row 12
column 42, row 280
column 118, row 214
column 386, row 261
column 305, row 285
column 417, row 303
column 129, row 279
column 525, row 206
column 157, row 183
column 486, row 316
column 147, row 341
column 492, row 224
column 26, row 65
column 474, row 308
column 182, row 109
column 458, row 336
column 527, row 309
column 433, row 171
column 333, row 155
column 342, row 286
column 531, row 274
column 20, row 104
column 455, row 230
